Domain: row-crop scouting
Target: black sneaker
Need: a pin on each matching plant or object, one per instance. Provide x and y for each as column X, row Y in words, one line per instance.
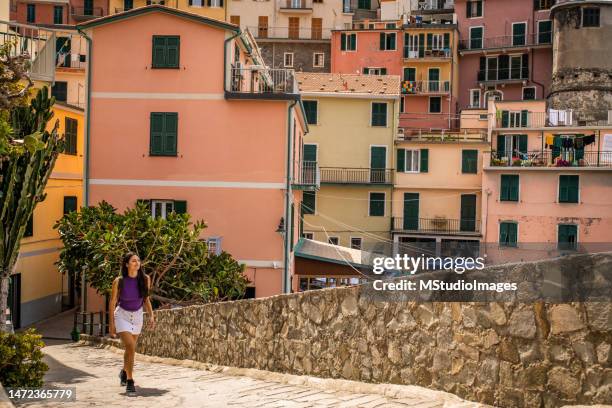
column 130, row 389
column 123, row 377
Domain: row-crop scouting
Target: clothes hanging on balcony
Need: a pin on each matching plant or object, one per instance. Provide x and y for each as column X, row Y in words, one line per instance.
column 549, row 141
column 590, row 139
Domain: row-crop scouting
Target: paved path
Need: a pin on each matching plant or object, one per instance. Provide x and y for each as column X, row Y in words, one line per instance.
column 94, row 372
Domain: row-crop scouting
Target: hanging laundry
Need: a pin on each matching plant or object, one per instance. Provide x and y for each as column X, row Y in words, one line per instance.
column 579, row 142
column 553, row 117
column 567, row 143
column 588, row 140
column 550, row 140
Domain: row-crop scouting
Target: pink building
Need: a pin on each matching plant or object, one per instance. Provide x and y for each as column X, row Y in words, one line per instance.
column 505, row 50
column 56, row 11
column 184, row 115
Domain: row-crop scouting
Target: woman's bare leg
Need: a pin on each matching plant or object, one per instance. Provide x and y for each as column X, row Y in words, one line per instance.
column 129, row 343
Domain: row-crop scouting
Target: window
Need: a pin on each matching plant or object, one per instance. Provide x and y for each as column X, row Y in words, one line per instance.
column 508, row 234
column 29, row 230
column 316, row 28
column 473, row 9
column 435, row 104
column 60, row 91
column 567, row 236
column 348, row 42
column 413, row 161
column 529, row 93
column 162, row 208
column 410, row 74
column 476, row 34
column 509, row 190
column 294, row 26
column 391, row 25
column 333, row 240
column 355, row 243
column 311, row 111
column 58, row 15
column 214, row 245
column 318, row 60
column 70, row 135
column 70, row 204
column 215, row 3
column 518, row 33
column 544, row 32
column 379, row 114
column 235, row 20
column 469, row 161
column 377, row 205
column 166, row 51
column 543, row 4
column 364, row 4
column 309, row 202
column 511, row 119
column 262, row 27
column 128, row 5
column 569, row 188
column 374, row 71
column 164, row 133
column 474, row 98
column 288, row 59
column 590, row 17
column 387, row 41
column 308, row 235
column 31, row 13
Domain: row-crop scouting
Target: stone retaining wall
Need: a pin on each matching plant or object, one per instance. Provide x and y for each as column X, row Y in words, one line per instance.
column 506, row 354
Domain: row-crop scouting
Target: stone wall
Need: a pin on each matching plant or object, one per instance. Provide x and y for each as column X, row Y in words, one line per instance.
column 507, row 354
column 273, row 53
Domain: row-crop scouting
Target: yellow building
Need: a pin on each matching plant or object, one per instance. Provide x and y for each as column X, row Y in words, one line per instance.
column 208, row 8
column 37, row 289
column 352, row 121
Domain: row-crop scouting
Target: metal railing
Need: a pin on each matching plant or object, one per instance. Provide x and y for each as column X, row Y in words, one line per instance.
column 308, row 175
column 437, row 225
column 293, row 33
column 436, row 5
column 425, row 87
column 506, row 41
column 441, row 135
column 82, row 13
column 552, row 118
column 294, row 4
column 348, row 175
column 262, row 80
column 504, row 74
column 545, row 158
column 411, row 53
column 85, row 322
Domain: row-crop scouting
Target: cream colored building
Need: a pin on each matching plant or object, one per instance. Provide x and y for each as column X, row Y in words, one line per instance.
column 352, row 123
column 207, row 8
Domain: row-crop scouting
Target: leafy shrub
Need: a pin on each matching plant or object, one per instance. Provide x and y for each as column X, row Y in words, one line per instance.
column 21, row 362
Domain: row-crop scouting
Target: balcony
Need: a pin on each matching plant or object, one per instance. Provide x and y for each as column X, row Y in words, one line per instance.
column 441, row 135
column 504, row 75
column 425, row 87
column 442, row 226
column 438, row 54
column 308, row 177
column 259, row 82
column 345, row 175
column 86, row 13
column 553, row 118
column 565, row 158
column 290, row 33
column 435, row 6
column 36, row 44
column 294, row 6
column 506, row 42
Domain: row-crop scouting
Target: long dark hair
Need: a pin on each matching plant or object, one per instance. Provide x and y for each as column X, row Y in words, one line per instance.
column 142, row 282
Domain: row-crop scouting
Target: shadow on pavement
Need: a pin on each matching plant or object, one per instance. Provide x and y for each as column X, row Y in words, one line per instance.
column 62, row 374
column 148, row 392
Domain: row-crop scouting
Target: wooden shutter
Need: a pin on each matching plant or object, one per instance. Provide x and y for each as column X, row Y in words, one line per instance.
column 482, row 70
column 316, row 28
column 383, row 71
column 294, row 28
column 342, row 42
column 522, row 143
column 159, row 51
column 573, row 188
column 468, row 212
column 501, row 146
column 509, row 187
column 353, row 42
column 447, row 41
column 381, row 43
column 424, row 163
column 421, row 45
column 479, row 8
column 429, row 41
column 170, row 133
column 308, row 202
column 401, row 160
column 157, row 133
column 469, row 160
column 524, row 118
column 377, row 204
column 525, row 66
column 180, row 207
column 468, row 9
column 503, row 67
column 411, row 211
column 173, row 45
column 505, row 118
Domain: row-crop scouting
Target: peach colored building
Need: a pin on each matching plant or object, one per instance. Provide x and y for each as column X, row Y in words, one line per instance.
column 191, row 121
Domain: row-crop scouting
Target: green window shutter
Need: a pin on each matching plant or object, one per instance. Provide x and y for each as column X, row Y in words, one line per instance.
column 509, row 190
column 568, row 189
column 524, row 118
column 469, row 161
column 70, row 204
column 522, row 143
column 508, row 234
column 392, row 41
column 353, row 40
column 468, row 9
column 411, row 211
column 309, row 202
column 421, row 45
column 401, row 160
column 166, row 51
column 180, row 207
column 170, row 133
column 342, row 42
column 424, row 160
column 505, row 118
column 479, row 7
column 447, row 41
column 173, row 46
column 157, row 133
column 29, row 230
column 292, row 225
column 382, row 39
column 377, row 204
column 310, row 107
column 429, row 40
column 567, row 236
column 501, row 146
column 159, row 51
column 379, row 114
column 383, row 71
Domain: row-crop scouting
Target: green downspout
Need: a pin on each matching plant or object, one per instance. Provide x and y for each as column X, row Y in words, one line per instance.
column 288, row 221
column 87, row 119
column 225, row 59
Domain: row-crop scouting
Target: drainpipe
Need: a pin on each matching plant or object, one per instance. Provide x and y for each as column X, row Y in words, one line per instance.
column 225, row 58
column 87, row 119
column 288, row 219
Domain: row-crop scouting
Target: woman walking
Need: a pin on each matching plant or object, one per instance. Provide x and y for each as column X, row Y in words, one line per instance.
column 131, row 290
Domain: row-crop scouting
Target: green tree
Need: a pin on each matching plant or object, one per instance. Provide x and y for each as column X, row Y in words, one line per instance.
column 181, row 269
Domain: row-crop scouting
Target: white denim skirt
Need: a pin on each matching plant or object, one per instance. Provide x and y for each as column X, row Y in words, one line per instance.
column 127, row 321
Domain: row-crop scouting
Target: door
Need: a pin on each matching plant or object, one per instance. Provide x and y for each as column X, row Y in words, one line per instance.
column 434, row 79
column 316, row 27
column 411, row 211
column 309, row 165
column 468, row 212
column 14, row 299
column 518, row 34
column 88, row 7
column 294, row 28
column 128, row 5
column 492, row 69
column 378, row 164
column 262, row 27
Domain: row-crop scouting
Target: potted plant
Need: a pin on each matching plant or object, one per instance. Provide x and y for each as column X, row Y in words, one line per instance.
column 516, row 161
column 75, row 335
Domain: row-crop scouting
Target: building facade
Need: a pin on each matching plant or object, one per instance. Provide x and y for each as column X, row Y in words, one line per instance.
column 160, row 126
column 208, row 8
column 57, row 12
column 505, row 50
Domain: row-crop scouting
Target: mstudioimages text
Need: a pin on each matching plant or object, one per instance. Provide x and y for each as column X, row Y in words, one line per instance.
column 412, row 264
column 439, row 285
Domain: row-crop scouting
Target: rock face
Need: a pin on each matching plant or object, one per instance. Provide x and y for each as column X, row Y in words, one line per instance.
column 503, row 354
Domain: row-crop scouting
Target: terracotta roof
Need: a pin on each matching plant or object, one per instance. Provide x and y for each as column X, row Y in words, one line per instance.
column 348, row 83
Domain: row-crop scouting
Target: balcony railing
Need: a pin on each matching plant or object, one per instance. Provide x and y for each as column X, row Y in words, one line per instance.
column 433, row 6
column 546, row 158
column 441, row 135
column 308, row 176
column 85, row 13
column 411, row 53
column 344, row 175
column 291, row 33
column 262, row 80
column 294, row 5
column 506, row 41
column 552, row 118
column 437, row 225
column 503, row 75
column 425, row 87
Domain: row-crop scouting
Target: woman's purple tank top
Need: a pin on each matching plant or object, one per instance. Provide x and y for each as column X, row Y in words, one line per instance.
column 129, row 298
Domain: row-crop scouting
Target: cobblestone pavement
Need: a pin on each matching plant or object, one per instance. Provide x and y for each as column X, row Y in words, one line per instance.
column 94, row 372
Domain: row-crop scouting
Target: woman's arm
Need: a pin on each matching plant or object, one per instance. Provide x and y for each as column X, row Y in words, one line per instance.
column 147, row 303
column 112, row 305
